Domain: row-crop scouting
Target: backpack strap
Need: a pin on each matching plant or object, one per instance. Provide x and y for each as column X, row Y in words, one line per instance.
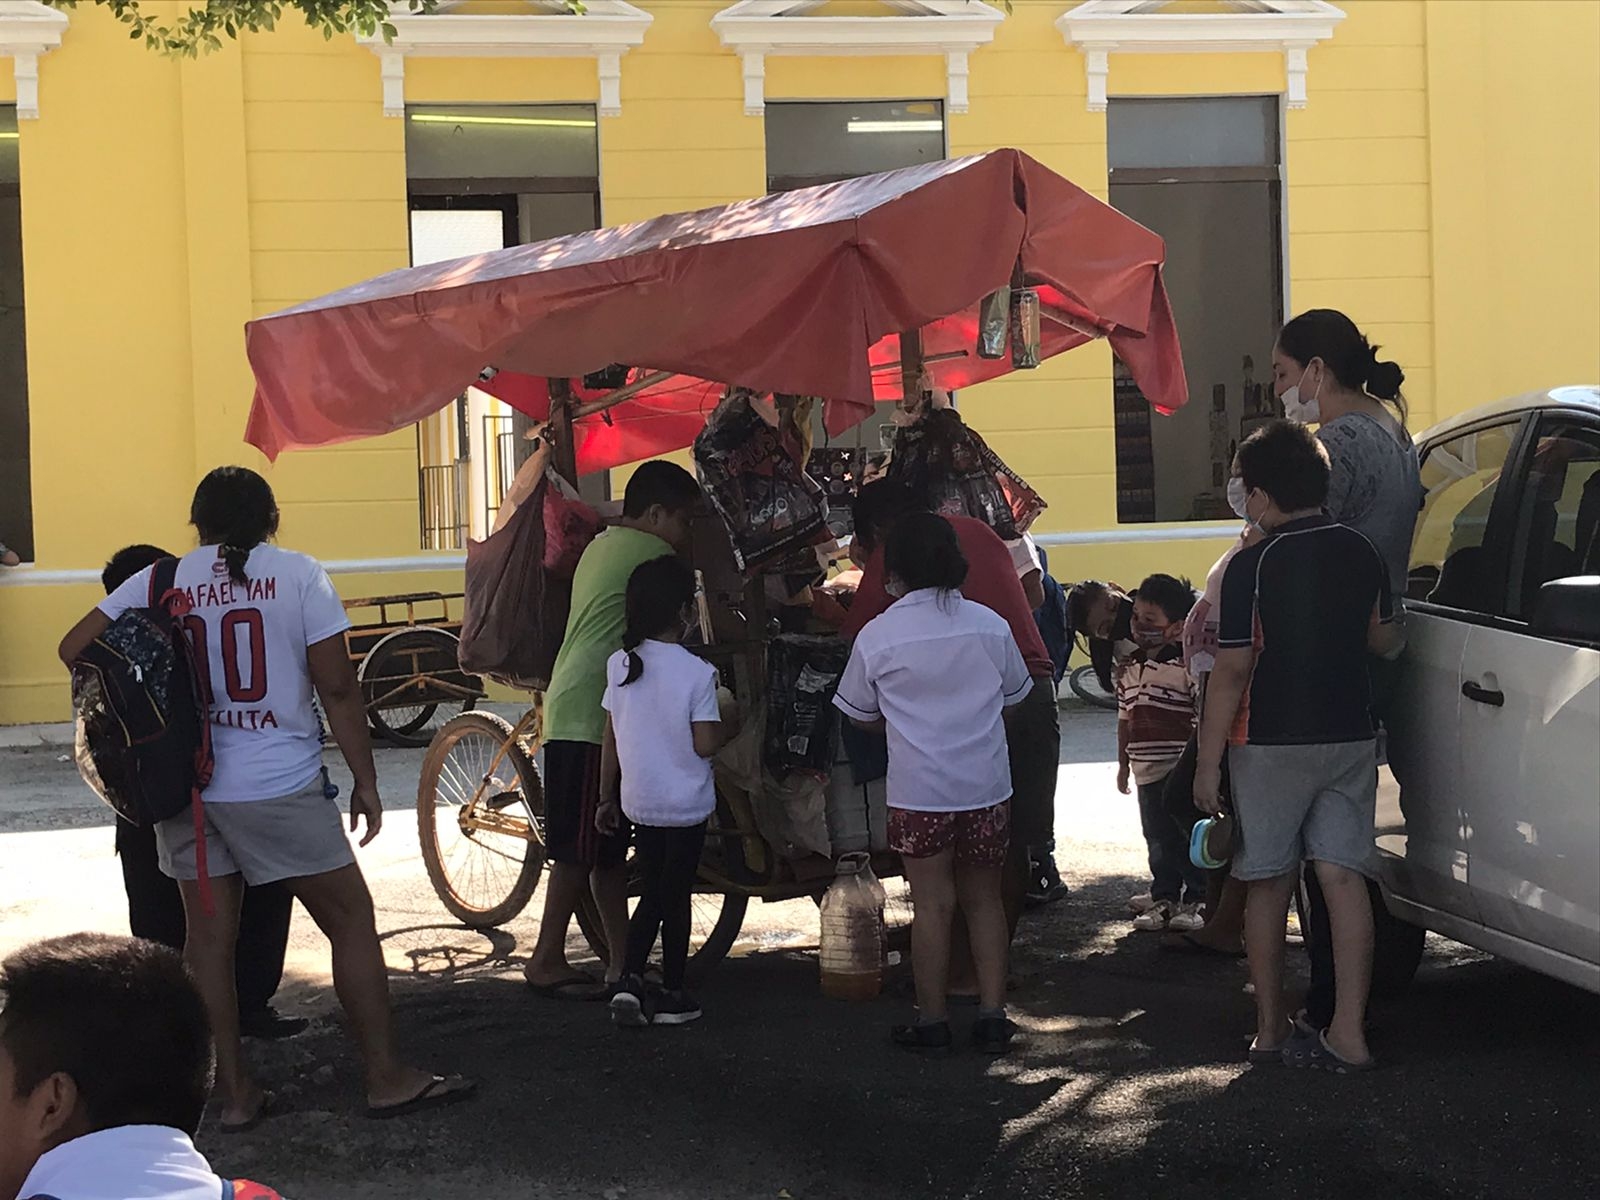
column 163, row 578
column 243, row 1189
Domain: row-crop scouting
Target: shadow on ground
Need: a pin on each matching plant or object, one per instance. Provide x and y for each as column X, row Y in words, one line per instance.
column 1130, row 1083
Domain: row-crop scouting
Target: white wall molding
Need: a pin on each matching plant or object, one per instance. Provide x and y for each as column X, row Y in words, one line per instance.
column 410, row 565
column 951, row 29
column 605, row 33
column 1199, row 531
column 27, row 30
column 1101, row 28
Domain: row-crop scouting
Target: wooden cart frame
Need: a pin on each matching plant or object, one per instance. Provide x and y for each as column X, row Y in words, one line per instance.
column 406, row 662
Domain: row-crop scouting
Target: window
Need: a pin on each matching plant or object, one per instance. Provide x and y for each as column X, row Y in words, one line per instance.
column 1206, row 175
column 481, row 178
column 1558, row 518
column 1448, row 557
column 16, row 490
column 811, row 143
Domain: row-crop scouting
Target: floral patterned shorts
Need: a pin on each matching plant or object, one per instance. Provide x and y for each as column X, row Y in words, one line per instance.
column 979, row 835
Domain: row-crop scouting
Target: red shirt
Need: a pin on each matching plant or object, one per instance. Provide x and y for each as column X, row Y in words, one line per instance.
column 991, row 581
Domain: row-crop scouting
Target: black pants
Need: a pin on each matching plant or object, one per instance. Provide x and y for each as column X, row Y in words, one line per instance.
column 155, row 912
column 667, row 860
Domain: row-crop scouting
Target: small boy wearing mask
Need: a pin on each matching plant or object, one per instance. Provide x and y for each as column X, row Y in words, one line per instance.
column 1156, row 699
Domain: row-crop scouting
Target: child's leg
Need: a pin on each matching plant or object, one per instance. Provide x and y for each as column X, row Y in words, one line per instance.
column 680, row 863
column 1160, row 839
column 978, row 888
column 933, row 900
column 1265, row 913
column 650, row 845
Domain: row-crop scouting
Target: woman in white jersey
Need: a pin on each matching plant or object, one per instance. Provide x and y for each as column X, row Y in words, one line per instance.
column 267, row 627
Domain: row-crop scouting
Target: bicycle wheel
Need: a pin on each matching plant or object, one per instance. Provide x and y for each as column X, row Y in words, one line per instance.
column 480, row 821
column 715, row 919
column 1086, row 686
column 409, row 664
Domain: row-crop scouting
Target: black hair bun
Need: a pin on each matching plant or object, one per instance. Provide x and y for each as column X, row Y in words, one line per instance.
column 1384, row 379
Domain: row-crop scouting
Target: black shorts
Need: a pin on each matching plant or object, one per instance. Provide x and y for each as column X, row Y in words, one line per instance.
column 1033, row 741
column 571, row 795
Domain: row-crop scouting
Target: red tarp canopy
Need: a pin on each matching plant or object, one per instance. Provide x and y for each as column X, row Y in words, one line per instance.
column 797, row 292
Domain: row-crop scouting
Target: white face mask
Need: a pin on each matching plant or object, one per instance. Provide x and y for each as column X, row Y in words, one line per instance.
column 1239, row 497
column 1303, row 413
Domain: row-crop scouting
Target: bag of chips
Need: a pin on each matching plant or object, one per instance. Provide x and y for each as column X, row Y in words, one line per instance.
column 940, row 457
column 803, row 672
column 751, row 472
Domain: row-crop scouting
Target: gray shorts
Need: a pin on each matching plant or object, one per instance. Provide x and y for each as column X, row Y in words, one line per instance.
column 263, row 840
column 1296, row 803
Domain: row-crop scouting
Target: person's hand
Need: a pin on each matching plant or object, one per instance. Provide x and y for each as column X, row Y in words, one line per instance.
column 608, row 817
column 1122, row 778
column 1208, row 788
column 9, row 557
column 1251, row 535
column 365, row 803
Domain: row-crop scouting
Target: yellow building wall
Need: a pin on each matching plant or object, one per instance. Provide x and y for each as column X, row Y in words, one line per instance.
column 1442, row 187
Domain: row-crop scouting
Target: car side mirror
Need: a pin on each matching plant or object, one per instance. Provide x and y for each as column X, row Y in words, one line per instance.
column 1569, row 609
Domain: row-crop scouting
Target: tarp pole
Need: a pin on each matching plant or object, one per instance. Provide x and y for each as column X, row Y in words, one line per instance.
column 564, row 453
column 910, row 367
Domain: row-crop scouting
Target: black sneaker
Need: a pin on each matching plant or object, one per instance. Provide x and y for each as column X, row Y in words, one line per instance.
column 1044, row 882
column 266, row 1024
column 674, row 1008
column 934, row 1038
column 993, row 1035
column 627, row 1003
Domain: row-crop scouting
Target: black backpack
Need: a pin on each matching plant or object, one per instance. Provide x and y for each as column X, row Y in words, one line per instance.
column 143, row 724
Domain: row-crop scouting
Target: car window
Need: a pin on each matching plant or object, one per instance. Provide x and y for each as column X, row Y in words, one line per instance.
column 1459, row 480
column 1558, row 511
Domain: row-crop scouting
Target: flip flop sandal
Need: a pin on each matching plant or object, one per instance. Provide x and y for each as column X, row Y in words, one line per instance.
column 1325, row 1058
column 267, row 1109
column 438, row 1092
column 1185, row 943
column 576, row 988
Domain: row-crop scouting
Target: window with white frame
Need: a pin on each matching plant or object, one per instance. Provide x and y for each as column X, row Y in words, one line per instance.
column 1206, row 174
column 481, row 178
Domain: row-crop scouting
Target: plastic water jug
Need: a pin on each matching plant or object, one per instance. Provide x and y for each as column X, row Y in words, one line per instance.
column 852, row 931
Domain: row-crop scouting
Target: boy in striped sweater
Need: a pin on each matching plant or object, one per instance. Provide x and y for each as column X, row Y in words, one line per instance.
column 1156, row 698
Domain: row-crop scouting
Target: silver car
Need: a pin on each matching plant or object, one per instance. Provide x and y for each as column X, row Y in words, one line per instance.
column 1489, row 804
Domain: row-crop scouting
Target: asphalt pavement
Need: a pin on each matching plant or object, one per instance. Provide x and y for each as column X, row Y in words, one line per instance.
column 1130, row 1080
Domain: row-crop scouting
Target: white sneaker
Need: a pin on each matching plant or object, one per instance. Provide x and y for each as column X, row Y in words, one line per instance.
column 1155, row 919
column 1140, row 904
column 1187, row 919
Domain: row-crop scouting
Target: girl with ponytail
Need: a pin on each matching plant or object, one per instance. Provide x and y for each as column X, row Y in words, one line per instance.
column 1328, row 374
column 267, row 632
column 662, row 726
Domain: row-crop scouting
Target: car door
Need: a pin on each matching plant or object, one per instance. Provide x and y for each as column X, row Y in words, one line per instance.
column 1530, row 717
column 1422, row 826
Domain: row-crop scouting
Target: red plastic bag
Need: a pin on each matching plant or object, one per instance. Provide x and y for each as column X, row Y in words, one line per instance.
column 569, row 526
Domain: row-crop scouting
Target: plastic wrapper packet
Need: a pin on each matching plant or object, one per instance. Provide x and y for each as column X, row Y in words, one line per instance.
column 942, row 458
column 802, row 674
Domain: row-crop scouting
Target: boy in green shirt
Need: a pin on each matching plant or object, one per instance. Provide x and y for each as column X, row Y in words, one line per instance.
column 656, row 512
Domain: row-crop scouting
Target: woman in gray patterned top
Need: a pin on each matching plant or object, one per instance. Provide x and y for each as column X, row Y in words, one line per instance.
column 1328, row 374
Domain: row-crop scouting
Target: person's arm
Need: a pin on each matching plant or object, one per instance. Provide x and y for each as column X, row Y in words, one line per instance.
column 608, row 812
column 1124, row 732
column 82, row 634
column 1033, row 589
column 857, row 694
column 870, row 599
column 134, row 592
column 1224, row 690
column 9, row 557
column 705, row 717
column 334, row 677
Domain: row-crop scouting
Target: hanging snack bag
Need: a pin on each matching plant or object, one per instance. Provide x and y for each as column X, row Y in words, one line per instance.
column 942, row 458
column 751, row 472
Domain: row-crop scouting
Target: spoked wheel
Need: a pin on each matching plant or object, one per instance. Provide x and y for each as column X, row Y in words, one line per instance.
column 715, row 917
column 1086, row 686
column 402, row 678
column 480, row 819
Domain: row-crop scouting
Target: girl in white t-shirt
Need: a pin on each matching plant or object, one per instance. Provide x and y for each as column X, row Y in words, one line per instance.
column 267, row 631
column 662, row 728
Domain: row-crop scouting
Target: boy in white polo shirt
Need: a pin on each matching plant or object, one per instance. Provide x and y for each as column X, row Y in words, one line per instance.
column 936, row 671
column 105, row 1067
